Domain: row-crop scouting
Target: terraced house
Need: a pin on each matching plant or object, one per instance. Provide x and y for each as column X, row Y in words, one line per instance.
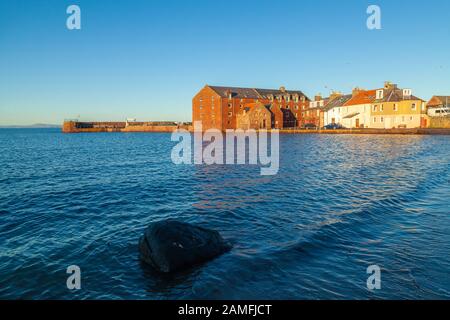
column 219, row 107
column 351, row 111
column 332, row 110
column 397, row 108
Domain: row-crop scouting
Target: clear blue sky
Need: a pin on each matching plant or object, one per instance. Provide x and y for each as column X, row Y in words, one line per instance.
column 146, row 59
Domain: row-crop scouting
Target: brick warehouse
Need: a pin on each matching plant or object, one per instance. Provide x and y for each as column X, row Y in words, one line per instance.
column 219, row 107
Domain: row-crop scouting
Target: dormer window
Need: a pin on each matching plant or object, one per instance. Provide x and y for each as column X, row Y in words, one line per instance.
column 380, row 94
column 407, row 93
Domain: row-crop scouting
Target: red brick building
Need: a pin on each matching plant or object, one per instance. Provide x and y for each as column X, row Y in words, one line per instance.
column 313, row 116
column 218, row 107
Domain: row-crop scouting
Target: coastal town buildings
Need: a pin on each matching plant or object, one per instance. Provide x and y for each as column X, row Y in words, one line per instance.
column 218, row 107
column 351, row 111
column 249, row 108
column 438, row 106
column 332, row 110
column 397, row 108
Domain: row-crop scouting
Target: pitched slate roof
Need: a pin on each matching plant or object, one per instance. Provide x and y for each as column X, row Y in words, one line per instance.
column 394, row 95
column 337, row 102
column 253, row 93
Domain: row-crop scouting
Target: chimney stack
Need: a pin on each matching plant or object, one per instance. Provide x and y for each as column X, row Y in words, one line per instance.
column 335, row 94
column 356, row 91
column 389, row 85
column 318, row 97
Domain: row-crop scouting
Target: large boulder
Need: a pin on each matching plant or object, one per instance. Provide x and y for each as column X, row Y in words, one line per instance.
column 171, row 245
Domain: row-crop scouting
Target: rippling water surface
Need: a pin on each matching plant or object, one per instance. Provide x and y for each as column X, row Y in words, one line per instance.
column 339, row 204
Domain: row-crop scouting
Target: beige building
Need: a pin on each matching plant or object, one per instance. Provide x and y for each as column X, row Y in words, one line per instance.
column 397, row 108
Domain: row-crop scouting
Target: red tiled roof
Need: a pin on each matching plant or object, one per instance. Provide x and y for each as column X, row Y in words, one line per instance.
column 366, row 96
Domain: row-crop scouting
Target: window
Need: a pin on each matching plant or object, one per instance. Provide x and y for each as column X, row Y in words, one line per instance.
column 381, row 109
column 395, row 107
column 379, row 94
column 230, row 105
column 374, row 119
column 413, row 106
column 230, row 114
column 296, row 107
column 382, row 119
column 375, row 108
column 411, row 118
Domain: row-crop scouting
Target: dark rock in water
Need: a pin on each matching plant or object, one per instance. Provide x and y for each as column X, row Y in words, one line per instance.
column 172, row 245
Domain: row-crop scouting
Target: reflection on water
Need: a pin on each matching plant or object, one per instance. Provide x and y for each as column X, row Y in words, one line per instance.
column 338, row 205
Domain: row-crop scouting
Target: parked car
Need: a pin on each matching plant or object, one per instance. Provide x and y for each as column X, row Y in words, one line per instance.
column 334, row 126
column 310, row 126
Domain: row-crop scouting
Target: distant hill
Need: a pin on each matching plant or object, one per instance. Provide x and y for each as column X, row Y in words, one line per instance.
column 36, row 125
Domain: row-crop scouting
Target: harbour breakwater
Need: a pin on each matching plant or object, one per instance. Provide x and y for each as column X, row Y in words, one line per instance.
column 80, row 127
